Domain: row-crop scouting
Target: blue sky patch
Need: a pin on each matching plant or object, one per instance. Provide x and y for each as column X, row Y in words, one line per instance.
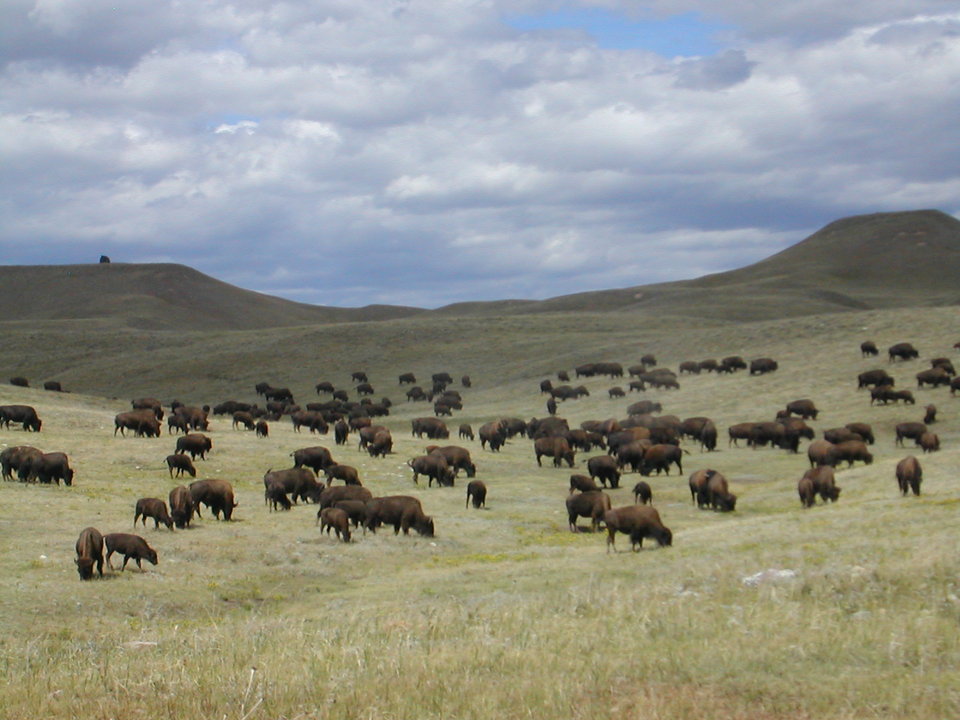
column 685, row 35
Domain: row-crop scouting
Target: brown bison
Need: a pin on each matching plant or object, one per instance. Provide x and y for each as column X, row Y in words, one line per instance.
column 465, row 431
column 909, row 475
column 408, row 378
column 933, row 377
column 660, row 457
column 909, row 430
column 332, row 495
column 401, row 511
column 53, row 386
column 718, row 495
column 433, row 428
column 885, row 396
column 642, row 493
column 347, row 473
column 864, row 430
column 47, row 467
column 929, row 442
column 804, row 408
column 316, row 458
column 130, row 546
column 356, row 510
column 89, row 553
column 851, row 451
column 493, row 434
column 243, row 418
column 556, row 447
column 19, row 381
column 874, row 378
column 818, row 481
column 762, row 366
column 434, row 467
column 262, row 429
column 148, row 403
column 930, row 414
column 216, row 494
column 739, row 431
column 903, row 351
column 182, row 464
column 821, row 452
column 297, row 482
column 381, row 445
column 582, row 483
column 868, row 349
column 591, row 504
column 698, row 486
column 195, row 444
column 478, row 492
column 605, row 469
column 336, row 519
column 181, row 506
column 457, row 457
column 638, row 522
column 154, row 508
column 23, row 414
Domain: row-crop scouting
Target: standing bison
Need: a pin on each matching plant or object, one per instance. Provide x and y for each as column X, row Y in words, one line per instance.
column 216, row 494
column 639, row 522
column 556, row 447
column 131, row 547
column 902, row 351
column 592, row 504
column 762, row 366
column 401, row 511
column 89, row 553
column 909, row 475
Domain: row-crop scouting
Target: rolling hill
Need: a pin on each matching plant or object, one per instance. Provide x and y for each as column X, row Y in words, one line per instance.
column 877, row 261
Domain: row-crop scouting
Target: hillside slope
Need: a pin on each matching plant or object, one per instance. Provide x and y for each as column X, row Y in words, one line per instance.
column 159, row 296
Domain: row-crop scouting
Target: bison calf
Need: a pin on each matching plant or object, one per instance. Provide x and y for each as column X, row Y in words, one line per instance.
column 152, row 508
column 476, row 491
column 130, row 546
column 337, row 519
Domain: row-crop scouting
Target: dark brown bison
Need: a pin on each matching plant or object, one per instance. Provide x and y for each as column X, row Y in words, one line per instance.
column 731, row 364
column 216, row 494
column 493, row 434
column 909, row 430
column 130, row 546
column 365, row 388
column 691, row 427
column 841, row 434
column 457, row 458
column 434, row 467
column 903, row 351
column 356, row 511
column 690, row 367
column 762, row 366
column 182, row 464
column 605, row 469
column 661, row 457
column 347, row 473
column 148, row 403
column 23, row 414
column 909, row 475
column 708, row 437
column 933, row 377
column 47, row 467
column 89, row 553
column 739, row 431
column 154, row 508
column 408, row 378
column 401, row 511
column 582, row 483
column 332, row 495
column 930, row 414
column 195, row 418
column 591, row 504
column 316, row 458
column 868, row 349
column 275, row 495
column 885, row 396
column 945, row 363
column 195, row 444
column 336, row 519
column 243, row 418
column 638, row 522
column 181, row 506
column 929, row 442
column 823, row 483
column 718, row 495
column 954, row 385
column 53, row 386
column 874, row 378
column 433, row 428
column 821, row 452
column 297, row 482
column 708, row 365
column 324, row 387
column 864, row 430
column 851, row 451
column 698, row 486
column 556, row 447
column 465, row 431
column 616, row 392
column 262, row 428
column 804, row 408
column 19, row 381
column 632, row 454
column 642, row 493
column 341, row 431
column 477, row 491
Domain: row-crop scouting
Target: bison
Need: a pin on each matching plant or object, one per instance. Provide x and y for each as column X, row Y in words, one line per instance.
column 851, row 451
column 130, row 546
column 182, row 464
column 316, row 458
column 435, row 467
column 804, row 408
column 868, row 348
column 605, row 469
column 903, row 351
column 642, row 493
column 762, row 366
column 818, row 481
column 336, row 519
column 556, row 447
column 591, row 504
column 477, row 491
column 582, row 483
column 660, row 457
column 874, row 378
column 23, row 414
column 216, row 494
column 909, row 430
column 929, row 442
column 154, row 508
column 639, row 522
column 401, row 511
column 195, row 444
column 48, row 467
column 181, row 506
column 89, row 552
column 347, row 473
column 909, row 475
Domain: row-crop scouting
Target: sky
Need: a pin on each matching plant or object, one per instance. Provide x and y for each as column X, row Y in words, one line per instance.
column 424, row 152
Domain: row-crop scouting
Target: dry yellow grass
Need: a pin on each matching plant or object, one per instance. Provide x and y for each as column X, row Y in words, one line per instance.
column 504, row 613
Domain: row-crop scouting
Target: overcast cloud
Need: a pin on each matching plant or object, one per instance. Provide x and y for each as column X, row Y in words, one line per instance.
column 346, row 152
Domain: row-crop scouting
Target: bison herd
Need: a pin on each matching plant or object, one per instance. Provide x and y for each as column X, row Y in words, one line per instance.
column 645, row 441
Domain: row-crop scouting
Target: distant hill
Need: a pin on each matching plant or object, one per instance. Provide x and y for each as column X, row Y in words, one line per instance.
column 884, row 260
column 159, row 296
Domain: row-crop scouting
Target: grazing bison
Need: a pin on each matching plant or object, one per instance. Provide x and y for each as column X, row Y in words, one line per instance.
column 382, row 444
column 690, row 367
column 642, row 493
column 216, row 494
column 660, row 457
column 864, row 430
column 130, row 546
column 19, row 381
column 154, row 508
column 433, row 428
column 148, row 403
column 401, row 511
column 262, row 428
column 698, row 486
column 850, row 451
column 493, row 434
column 245, row 419
column 604, row 468
column 457, row 457
column 298, row 482
column 89, row 552
column 53, row 386
column 182, row 464
column 435, row 467
column 930, row 414
column 929, row 442
column 477, row 491
column 332, row 495
column 638, row 522
column 718, row 495
column 582, row 483
column 804, row 408
column 194, row 444
column 316, row 458
column 337, row 519
column 465, row 431
column 23, row 414
column 885, row 396
column 821, row 452
column 841, row 434
column 275, row 495
column 48, row 467
column 909, row 430
column 347, row 473
column 556, row 447
column 181, row 506
column 324, row 387
column 903, row 351
column 933, row 377
column 708, row 437
column 591, row 504
column 142, row 422
column 868, row 349
column 740, row 431
column 356, row 511
column 408, row 378
column 909, row 475
column 874, row 378
column 761, row 366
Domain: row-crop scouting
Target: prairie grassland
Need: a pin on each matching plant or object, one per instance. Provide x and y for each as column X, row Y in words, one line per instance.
column 504, row 613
